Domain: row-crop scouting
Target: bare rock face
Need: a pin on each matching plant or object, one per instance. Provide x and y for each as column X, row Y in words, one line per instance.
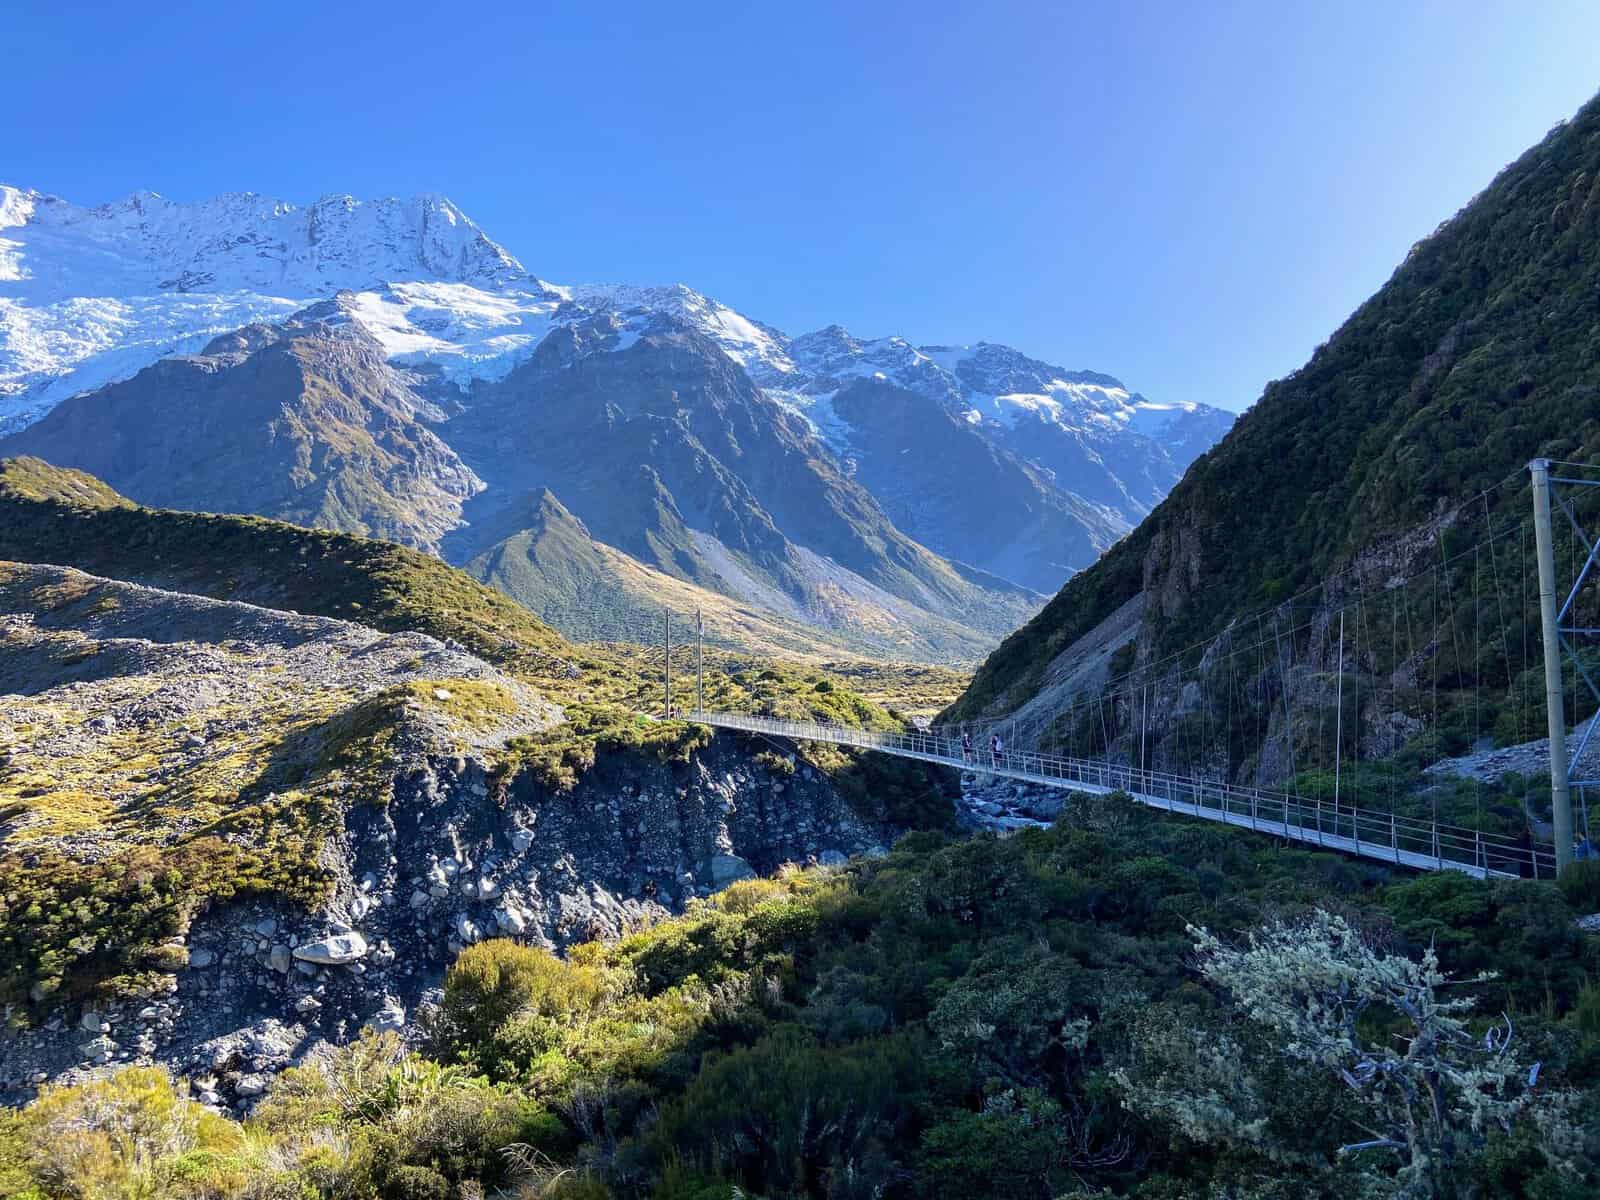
column 729, row 868
column 305, row 422
column 633, row 841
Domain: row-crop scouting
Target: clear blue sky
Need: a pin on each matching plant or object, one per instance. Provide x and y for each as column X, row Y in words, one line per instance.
column 1189, row 196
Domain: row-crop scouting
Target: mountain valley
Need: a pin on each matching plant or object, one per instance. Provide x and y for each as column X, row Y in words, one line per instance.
column 1086, row 797
column 411, row 381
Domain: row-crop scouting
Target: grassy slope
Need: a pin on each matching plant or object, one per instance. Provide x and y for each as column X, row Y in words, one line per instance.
column 1481, row 352
column 52, row 515
column 592, row 591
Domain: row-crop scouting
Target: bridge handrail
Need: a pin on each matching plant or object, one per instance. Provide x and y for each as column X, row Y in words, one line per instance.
column 1371, row 833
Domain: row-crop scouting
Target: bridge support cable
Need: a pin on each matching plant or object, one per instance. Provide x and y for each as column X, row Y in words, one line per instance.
column 1190, row 717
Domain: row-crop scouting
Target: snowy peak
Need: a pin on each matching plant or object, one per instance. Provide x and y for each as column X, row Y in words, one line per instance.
column 999, row 370
column 758, row 348
column 241, row 241
column 832, row 357
column 981, row 382
column 91, row 296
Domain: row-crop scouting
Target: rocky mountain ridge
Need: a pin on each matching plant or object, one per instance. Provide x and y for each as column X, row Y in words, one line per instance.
column 660, row 444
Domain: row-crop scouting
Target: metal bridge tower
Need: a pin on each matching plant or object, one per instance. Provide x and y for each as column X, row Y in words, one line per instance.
column 1560, row 626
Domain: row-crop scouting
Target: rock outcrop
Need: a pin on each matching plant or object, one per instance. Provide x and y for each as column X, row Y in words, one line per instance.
column 429, row 836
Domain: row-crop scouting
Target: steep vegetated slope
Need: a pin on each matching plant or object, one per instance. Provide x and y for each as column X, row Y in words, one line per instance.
column 1480, row 353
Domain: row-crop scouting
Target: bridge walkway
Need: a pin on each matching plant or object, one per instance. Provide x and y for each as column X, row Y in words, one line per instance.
column 1424, row 845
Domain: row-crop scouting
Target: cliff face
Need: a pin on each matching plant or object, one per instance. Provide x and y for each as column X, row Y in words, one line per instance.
column 231, row 833
column 444, row 864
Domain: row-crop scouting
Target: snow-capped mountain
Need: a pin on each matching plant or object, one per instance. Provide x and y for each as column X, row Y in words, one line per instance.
column 242, row 242
column 89, row 296
column 1054, row 464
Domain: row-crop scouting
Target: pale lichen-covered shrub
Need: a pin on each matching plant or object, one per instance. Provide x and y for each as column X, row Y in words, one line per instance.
column 1431, row 1083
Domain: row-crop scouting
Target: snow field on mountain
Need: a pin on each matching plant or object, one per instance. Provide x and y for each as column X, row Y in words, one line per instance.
column 90, row 296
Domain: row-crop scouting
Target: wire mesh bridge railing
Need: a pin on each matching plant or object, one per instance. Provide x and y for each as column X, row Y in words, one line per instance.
column 1387, row 836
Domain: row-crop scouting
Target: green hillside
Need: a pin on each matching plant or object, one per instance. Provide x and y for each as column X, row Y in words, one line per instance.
column 1481, row 352
column 53, row 515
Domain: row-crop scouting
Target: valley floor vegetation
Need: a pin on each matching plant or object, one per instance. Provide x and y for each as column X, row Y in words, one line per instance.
column 1123, row 1004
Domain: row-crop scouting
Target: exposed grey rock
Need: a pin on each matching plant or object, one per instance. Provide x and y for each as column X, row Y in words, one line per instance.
column 334, row 949
column 201, row 959
column 511, row 920
column 392, row 1016
column 582, row 877
column 278, row 395
column 729, row 868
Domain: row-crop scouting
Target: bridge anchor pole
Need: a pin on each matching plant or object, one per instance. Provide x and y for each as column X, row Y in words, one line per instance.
column 1544, row 548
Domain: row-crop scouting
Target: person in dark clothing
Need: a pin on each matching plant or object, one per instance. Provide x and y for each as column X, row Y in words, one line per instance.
column 996, row 749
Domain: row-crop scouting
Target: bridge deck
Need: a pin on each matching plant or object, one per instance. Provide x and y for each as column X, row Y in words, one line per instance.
column 1404, row 841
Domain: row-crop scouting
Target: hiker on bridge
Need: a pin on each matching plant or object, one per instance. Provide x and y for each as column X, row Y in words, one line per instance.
column 996, row 749
column 966, row 748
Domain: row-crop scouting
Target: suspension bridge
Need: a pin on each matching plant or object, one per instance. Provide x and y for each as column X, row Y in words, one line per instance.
column 1385, row 836
column 1339, row 684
